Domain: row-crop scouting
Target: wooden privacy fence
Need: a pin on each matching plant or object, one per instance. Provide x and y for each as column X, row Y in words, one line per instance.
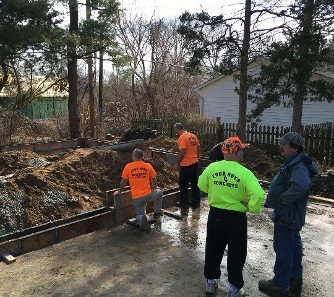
column 319, row 139
column 319, row 142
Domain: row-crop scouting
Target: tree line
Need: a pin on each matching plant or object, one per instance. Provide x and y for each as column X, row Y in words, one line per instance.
column 153, row 64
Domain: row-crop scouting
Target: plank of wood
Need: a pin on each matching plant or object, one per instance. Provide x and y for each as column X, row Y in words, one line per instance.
column 172, row 214
column 322, row 199
column 8, row 258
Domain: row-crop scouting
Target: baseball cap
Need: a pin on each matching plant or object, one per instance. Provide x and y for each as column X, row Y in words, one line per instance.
column 292, row 137
column 232, row 145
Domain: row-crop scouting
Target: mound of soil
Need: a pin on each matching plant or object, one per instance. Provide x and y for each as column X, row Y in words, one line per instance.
column 132, row 134
column 164, row 143
column 258, row 161
column 12, row 162
column 36, row 189
column 263, row 166
column 62, row 185
column 323, row 185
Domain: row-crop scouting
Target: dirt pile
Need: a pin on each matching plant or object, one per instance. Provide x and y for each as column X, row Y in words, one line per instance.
column 36, row 189
column 132, row 134
column 263, row 166
column 254, row 158
column 164, row 143
column 323, row 184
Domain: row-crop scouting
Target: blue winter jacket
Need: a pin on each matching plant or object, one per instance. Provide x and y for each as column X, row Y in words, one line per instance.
column 289, row 190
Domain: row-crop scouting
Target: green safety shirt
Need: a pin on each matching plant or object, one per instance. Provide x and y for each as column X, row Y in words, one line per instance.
column 231, row 186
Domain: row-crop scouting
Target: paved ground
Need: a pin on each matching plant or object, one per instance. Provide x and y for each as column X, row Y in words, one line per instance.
column 168, row 261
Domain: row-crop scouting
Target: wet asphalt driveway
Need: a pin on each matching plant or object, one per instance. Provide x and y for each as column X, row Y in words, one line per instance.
column 168, row 261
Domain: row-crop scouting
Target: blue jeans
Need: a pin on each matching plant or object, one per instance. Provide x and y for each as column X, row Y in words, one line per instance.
column 289, row 250
column 156, row 195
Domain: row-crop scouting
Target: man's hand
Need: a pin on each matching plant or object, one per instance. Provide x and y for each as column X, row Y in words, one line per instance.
column 117, row 192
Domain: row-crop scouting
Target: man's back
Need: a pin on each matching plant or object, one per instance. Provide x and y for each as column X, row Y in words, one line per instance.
column 230, row 186
column 139, row 174
column 190, row 143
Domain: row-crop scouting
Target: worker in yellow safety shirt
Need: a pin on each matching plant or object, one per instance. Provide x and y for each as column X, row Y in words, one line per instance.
column 233, row 190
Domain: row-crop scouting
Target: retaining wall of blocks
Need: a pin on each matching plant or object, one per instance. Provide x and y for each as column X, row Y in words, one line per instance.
column 47, row 147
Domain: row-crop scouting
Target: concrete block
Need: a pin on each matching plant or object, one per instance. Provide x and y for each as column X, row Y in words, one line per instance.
column 170, row 158
column 27, row 147
column 147, row 153
column 157, row 154
column 69, row 143
column 123, row 200
column 55, row 145
column 9, row 148
column 92, row 142
column 57, row 151
column 42, row 147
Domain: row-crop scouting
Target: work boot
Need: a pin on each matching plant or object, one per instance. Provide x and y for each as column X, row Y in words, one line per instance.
column 295, row 287
column 271, row 289
column 144, row 223
column 240, row 293
column 157, row 215
column 211, row 286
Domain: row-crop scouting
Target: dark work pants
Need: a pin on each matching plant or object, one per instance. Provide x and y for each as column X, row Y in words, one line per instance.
column 188, row 174
column 226, row 228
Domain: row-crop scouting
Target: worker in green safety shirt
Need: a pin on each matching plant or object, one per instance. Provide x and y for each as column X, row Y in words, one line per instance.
column 233, row 190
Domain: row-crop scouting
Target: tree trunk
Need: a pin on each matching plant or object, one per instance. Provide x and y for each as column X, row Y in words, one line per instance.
column 101, row 89
column 297, row 111
column 304, row 66
column 5, row 76
column 151, row 97
column 241, row 128
column 73, row 107
column 92, row 116
column 91, row 97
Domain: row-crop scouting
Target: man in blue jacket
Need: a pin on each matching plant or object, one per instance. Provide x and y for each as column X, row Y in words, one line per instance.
column 288, row 196
column 216, row 153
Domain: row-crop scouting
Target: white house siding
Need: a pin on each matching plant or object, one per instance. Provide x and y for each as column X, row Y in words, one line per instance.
column 275, row 116
column 218, row 99
column 313, row 113
column 317, row 112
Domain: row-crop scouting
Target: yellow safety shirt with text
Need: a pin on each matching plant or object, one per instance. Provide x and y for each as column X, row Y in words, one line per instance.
column 231, row 186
